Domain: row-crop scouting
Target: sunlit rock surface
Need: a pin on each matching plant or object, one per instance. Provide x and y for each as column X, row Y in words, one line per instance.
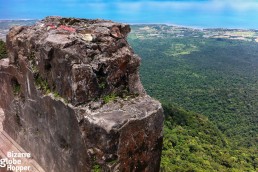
column 72, row 96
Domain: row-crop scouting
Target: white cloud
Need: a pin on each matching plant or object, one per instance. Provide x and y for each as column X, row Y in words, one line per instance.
column 213, row 5
column 129, row 6
column 239, row 5
column 134, row 7
column 96, row 6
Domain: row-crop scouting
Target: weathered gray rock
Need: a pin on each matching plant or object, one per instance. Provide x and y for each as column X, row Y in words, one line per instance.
column 72, row 96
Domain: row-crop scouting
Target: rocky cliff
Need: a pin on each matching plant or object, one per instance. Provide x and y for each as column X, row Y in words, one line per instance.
column 72, row 96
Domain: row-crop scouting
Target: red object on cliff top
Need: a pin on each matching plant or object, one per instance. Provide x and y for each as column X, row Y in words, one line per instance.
column 70, row 29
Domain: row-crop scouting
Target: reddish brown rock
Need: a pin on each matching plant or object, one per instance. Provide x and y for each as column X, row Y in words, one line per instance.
column 72, row 97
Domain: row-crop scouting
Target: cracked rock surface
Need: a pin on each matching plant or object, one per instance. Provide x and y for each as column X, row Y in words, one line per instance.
column 72, row 96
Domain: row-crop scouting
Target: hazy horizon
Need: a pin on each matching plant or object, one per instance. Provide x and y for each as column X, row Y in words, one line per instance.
column 191, row 13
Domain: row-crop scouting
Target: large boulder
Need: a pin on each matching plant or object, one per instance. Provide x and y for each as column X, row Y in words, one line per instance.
column 72, row 96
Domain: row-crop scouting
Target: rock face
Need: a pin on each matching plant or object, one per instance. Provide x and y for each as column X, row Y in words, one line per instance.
column 72, row 96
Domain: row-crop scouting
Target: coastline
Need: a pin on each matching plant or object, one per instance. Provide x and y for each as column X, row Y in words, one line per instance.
column 161, row 23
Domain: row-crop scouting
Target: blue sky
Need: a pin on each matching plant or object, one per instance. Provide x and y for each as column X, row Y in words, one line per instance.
column 200, row 13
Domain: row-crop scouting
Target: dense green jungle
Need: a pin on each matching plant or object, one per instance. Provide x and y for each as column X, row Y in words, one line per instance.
column 208, row 86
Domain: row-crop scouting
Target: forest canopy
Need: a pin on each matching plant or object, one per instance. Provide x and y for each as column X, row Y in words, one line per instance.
column 208, row 88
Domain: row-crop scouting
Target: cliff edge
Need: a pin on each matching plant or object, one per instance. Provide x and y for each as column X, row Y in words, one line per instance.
column 72, row 96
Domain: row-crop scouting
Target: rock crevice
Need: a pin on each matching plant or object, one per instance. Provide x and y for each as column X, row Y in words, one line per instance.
column 72, row 97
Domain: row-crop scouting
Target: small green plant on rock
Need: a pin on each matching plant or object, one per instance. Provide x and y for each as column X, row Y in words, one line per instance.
column 96, row 168
column 41, row 83
column 17, row 89
column 16, row 86
column 3, row 52
column 102, row 85
column 109, row 98
column 56, row 94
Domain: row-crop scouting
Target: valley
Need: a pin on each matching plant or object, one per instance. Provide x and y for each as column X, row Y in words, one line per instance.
column 207, row 80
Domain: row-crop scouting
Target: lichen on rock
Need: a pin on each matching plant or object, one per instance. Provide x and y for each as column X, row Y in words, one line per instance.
column 74, row 85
